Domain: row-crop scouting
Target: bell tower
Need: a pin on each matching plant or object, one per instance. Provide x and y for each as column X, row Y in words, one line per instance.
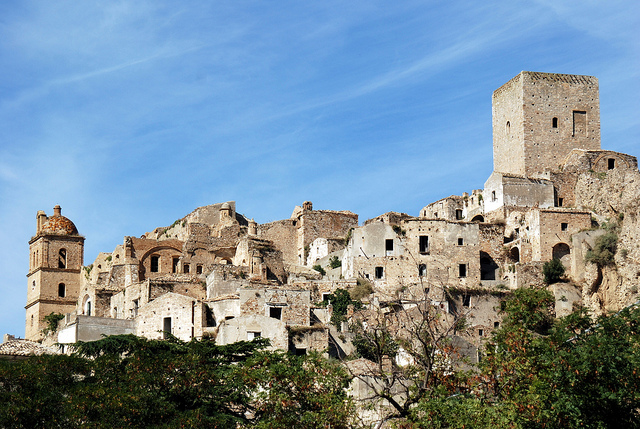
column 56, row 255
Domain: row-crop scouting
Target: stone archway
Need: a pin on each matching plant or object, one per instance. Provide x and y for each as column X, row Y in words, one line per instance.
column 562, row 252
column 514, row 254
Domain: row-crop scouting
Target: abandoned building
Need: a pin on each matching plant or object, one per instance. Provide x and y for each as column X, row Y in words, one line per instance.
column 216, row 273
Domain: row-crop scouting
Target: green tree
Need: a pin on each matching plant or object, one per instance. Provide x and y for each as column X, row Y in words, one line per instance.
column 553, row 271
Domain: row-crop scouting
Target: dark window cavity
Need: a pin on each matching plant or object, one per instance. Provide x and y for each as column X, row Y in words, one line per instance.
column 62, row 290
column 155, row 263
column 462, row 270
column 379, row 272
column 424, row 244
column 62, row 258
column 275, row 312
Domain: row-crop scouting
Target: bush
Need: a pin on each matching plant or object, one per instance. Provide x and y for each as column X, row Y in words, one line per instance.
column 363, row 288
column 553, row 271
column 604, row 250
column 334, row 262
column 319, row 269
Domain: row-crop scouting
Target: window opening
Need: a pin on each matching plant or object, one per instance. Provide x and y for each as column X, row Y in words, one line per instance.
column 496, row 324
column 62, row 258
column 460, row 241
column 174, row 265
column 564, row 226
column 560, row 202
column 33, row 285
column 186, row 268
column 61, row 290
column 462, row 270
column 388, row 245
column 554, row 122
column 166, row 327
column 155, row 263
column 198, row 269
column 136, row 305
column 466, row 300
column 275, row 312
column 493, row 195
column 458, row 214
column 480, row 332
column 424, row 244
column 422, row 270
column 252, row 335
column 379, row 272
column 611, row 163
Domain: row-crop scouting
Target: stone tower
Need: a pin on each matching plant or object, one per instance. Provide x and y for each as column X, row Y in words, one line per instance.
column 538, row 118
column 55, row 263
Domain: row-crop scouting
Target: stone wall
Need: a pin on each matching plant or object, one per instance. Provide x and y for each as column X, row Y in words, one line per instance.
column 539, row 118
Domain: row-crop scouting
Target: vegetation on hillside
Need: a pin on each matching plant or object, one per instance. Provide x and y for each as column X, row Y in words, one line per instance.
column 536, row 371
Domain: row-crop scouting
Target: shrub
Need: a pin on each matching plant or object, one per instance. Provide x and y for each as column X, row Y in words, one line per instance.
column 334, row 262
column 604, row 250
column 363, row 288
column 553, row 271
column 319, row 269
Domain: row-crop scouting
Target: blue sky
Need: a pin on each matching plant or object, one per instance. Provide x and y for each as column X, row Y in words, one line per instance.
column 130, row 114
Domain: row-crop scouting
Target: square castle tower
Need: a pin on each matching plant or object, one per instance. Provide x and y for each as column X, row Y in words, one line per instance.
column 539, row 118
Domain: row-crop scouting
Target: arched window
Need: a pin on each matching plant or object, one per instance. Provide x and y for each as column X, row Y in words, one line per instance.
column 508, row 128
column 515, row 254
column 62, row 258
column 422, row 270
column 62, row 290
column 87, row 306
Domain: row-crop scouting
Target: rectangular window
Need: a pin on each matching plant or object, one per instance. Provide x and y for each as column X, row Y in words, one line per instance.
column 186, row 268
column 174, row 265
column 560, row 201
column 388, row 245
column 611, row 163
column 462, row 270
column 480, row 332
column 198, row 269
column 379, row 272
column 458, row 214
column 460, row 241
column 564, row 226
column 275, row 312
column 424, row 244
column 155, row 264
column 252, row 335
column 166, row 327
column 466, row 300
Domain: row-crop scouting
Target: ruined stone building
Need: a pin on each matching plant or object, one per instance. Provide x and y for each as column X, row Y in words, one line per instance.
column 219, row 274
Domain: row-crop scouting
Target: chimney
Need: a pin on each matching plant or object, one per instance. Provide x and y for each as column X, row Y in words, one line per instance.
column 41, row 218
column 57, row 211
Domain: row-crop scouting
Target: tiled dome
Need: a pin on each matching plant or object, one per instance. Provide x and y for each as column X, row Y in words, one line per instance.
column 58, row 224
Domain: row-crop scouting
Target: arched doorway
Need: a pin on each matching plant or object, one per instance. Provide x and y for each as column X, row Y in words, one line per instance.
column 478, row 218
column 562, row 252
column 514, row 254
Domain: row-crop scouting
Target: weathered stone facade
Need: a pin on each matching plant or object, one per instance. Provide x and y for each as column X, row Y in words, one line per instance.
column 215, row 273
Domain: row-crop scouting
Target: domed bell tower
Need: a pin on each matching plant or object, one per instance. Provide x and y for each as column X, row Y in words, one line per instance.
column 56, row 255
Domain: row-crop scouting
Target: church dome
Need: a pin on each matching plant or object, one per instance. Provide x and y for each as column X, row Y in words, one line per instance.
column 58, row 224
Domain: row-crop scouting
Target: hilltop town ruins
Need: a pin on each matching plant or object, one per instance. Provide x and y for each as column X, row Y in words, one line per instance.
column 217, row 273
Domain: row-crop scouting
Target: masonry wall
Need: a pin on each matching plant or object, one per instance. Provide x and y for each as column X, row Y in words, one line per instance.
column 527, row 138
